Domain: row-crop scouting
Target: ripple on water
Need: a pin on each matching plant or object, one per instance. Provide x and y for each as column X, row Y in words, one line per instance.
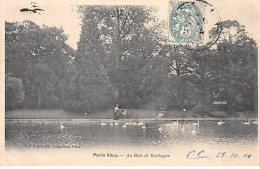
column 90, row 135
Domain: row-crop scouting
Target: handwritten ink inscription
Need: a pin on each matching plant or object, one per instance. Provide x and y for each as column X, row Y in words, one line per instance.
column 203, row 154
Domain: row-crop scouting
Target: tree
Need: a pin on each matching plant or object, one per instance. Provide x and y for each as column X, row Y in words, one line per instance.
column 236, row 78
column 202, row 75
column 180, row 70
column 40, row 57
column 156, row 86
column 129, row 43
column 14, row 92
column 229, row 71
column 90, row 89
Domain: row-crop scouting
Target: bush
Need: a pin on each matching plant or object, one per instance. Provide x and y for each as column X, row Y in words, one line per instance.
column 14, row 92
column 52, row 101
column 76, row 106
column 201, row 110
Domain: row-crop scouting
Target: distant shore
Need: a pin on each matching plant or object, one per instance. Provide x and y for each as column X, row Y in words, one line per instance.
column 124, row 121
column 109, row 114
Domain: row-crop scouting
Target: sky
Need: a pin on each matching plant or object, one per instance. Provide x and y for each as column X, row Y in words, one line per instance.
column 63, row 13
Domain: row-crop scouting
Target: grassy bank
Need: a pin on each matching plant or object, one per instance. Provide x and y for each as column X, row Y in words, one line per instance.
column 108, row 114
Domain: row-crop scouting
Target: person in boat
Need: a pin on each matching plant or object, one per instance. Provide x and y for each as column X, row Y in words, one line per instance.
column 116, row 107
column 119, row 112
column 116, row 112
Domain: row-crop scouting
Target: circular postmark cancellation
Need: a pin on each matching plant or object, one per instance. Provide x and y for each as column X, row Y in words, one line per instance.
column 193, row 24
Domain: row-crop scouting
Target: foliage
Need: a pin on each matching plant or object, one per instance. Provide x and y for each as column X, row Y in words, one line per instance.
column 90, row 89
column 122, row 58
column 202, row 110
column 40, row 58
column 14, row 92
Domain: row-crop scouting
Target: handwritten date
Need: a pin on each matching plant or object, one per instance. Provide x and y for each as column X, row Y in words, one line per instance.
column 203, row 154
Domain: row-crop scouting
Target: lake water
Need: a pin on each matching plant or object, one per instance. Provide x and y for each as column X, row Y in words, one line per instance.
column 77, row 143
column 85, row 135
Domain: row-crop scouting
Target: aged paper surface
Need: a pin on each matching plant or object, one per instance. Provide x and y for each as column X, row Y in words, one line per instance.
column 166, row 82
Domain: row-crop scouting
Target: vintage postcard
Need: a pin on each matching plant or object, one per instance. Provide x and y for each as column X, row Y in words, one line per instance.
column 147, row 82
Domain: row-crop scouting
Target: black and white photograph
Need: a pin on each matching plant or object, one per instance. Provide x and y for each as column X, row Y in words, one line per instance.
column 169, row 82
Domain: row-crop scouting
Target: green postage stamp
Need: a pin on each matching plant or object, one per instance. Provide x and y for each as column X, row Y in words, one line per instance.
column 186, row 22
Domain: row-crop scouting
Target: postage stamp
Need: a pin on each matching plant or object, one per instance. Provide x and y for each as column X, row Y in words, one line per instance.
column 185, row 22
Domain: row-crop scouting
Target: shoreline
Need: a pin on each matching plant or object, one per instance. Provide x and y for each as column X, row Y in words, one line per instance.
column 108, row 115
column 151, row 120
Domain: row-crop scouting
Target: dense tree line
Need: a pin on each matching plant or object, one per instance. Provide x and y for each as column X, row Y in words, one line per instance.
column 123, row 57
column 38, row 59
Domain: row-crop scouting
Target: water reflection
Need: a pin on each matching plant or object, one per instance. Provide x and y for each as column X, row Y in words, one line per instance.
column 95, row 135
